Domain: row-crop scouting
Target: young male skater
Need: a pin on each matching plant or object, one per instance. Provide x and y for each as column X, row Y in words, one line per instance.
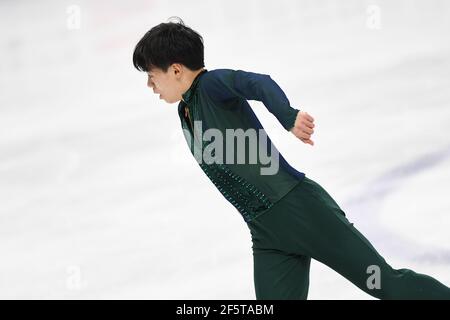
column 291, row 217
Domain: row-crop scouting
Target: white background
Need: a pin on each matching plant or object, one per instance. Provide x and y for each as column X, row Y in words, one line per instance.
column 100, row 197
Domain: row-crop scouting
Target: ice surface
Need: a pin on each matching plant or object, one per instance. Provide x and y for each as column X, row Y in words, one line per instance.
column 99, row 193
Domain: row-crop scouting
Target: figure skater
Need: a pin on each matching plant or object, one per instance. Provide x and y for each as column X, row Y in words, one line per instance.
column 291, row 217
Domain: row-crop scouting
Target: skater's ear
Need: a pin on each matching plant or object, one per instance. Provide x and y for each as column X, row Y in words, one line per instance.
column 177, row 69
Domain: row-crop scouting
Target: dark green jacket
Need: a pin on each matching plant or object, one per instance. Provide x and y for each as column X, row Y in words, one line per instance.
column 218, row 98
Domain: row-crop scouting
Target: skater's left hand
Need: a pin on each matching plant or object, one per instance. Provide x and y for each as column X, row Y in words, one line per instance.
column 303, row 127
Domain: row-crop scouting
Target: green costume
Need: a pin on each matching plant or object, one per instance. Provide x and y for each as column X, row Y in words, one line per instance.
column 291, row 217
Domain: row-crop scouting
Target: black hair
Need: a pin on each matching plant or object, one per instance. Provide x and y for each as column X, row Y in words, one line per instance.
column 167, row 43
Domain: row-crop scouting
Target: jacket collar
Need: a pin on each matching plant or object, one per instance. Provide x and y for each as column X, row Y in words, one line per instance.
column 187, row 96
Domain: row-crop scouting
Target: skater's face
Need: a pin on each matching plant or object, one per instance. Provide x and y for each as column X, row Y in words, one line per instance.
column 169, row 85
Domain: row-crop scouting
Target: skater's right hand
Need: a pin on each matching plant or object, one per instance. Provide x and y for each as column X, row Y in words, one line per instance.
column 303, row 127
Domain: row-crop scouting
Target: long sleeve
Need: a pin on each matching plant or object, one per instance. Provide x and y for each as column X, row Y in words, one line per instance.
column 224, row 84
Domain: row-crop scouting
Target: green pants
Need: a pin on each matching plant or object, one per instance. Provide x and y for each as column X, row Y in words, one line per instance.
column 307, row 223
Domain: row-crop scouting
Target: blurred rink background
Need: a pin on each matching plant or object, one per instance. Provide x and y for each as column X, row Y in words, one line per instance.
column 101, row 199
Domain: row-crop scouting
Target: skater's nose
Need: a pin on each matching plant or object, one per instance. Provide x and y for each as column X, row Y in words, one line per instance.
column 153, row 87
column 150, row 83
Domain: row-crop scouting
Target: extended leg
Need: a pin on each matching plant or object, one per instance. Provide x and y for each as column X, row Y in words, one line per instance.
column 323, row 232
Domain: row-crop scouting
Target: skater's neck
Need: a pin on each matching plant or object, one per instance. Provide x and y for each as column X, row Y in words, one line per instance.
column 191, row 76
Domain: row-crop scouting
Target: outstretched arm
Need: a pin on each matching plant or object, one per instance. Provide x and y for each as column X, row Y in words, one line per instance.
column 225, row 84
